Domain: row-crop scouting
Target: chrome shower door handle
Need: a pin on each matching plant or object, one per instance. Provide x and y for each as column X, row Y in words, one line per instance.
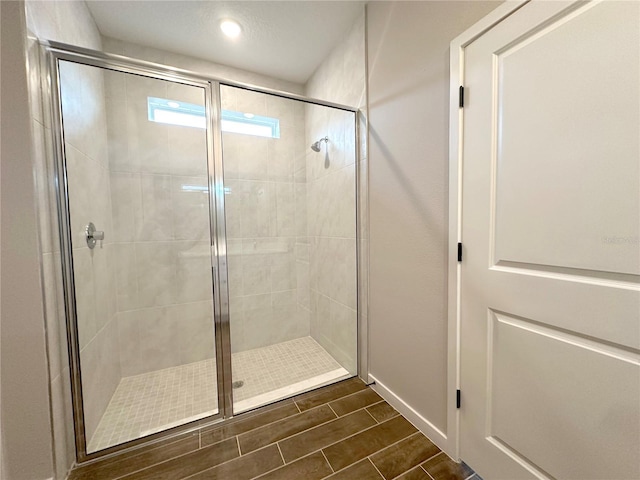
column 93, row 235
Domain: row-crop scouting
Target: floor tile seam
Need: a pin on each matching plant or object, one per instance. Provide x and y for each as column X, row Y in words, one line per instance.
column 369, row 428
column 338, row 441
column 425, row 471
column 431, row 458
column 341, row 440
column 332, row 444
column 416, row 467
column 251, row 430
column 376, row 467
column 441, row 452
column 333, row 399
column 153, row 464
column 395, row 443
column 327, row 460
column 293, row 435
column 281, row 456
column 347, row 413
column 420, row 465
column 374, row 418
column 287, row 464
column 227, row 461
column 355, row 393
column 168, row 460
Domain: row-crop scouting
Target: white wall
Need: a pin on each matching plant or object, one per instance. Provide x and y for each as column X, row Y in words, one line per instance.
column 408, row 64
column 26, row 427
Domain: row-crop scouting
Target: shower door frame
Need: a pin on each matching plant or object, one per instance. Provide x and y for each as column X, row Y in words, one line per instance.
column 53, row 53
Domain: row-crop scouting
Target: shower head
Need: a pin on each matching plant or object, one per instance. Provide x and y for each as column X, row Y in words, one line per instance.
column 316, row 146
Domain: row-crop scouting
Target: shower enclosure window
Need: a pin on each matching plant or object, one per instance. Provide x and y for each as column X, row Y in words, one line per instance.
column 143, row 293
column 209, row 237
column 173, row 112
column 290, row 225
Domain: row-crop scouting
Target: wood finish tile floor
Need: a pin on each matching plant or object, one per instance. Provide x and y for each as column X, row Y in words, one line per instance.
column 343, row 431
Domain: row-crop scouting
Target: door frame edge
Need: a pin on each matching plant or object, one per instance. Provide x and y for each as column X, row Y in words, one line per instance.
column 456, row 130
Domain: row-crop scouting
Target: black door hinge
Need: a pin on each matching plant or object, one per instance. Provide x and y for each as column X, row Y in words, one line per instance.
column 457, row 398
column 459, row 251
column 461, row 97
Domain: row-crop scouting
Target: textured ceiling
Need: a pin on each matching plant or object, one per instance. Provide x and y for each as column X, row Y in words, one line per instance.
column 286, row 39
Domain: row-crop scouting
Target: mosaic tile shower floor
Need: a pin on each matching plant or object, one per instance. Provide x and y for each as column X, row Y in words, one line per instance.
column 154, row 401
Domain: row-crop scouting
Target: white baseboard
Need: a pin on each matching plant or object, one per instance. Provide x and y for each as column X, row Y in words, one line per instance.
column 434, row 434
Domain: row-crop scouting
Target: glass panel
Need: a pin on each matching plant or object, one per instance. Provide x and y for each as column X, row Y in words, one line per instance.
column 291, row 244
column 144, row 289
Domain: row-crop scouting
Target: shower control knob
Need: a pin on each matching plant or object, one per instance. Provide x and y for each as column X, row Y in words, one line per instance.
column 93, row 235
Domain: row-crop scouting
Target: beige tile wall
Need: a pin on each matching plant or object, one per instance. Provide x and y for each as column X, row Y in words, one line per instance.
column 160, row 207
column 190, row 230
column 265, row 205
column 336, row 298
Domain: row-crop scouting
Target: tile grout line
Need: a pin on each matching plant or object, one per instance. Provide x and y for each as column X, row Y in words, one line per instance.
column 425, row 471
column 293, row 435
column 327, row 460
column 355, row 393
column 428, row 460
column 334, row 412
column 374, row 418
column 345, row 438
column 286, row 464
column 443, row 453
column 395, row 443
column 342, row 439
column 225, row 462
column 326, row 446
column 281, row 456
column 154, row 374
column 414, row 468
column 374, row 466
column 261, row 426
column 158, row 463
column 343, row 396
column 431, row 457
column 238, row 443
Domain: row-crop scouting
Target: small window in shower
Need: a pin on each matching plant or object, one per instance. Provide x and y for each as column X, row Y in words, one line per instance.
column 172, row 112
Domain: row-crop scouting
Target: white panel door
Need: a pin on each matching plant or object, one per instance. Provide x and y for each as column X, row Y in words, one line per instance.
column 550, row 279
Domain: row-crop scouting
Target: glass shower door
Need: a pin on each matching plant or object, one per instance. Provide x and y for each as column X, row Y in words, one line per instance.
column 137, row 199
column 291, row 244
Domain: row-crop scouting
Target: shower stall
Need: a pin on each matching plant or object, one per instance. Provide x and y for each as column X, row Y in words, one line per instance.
column 209, row 248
